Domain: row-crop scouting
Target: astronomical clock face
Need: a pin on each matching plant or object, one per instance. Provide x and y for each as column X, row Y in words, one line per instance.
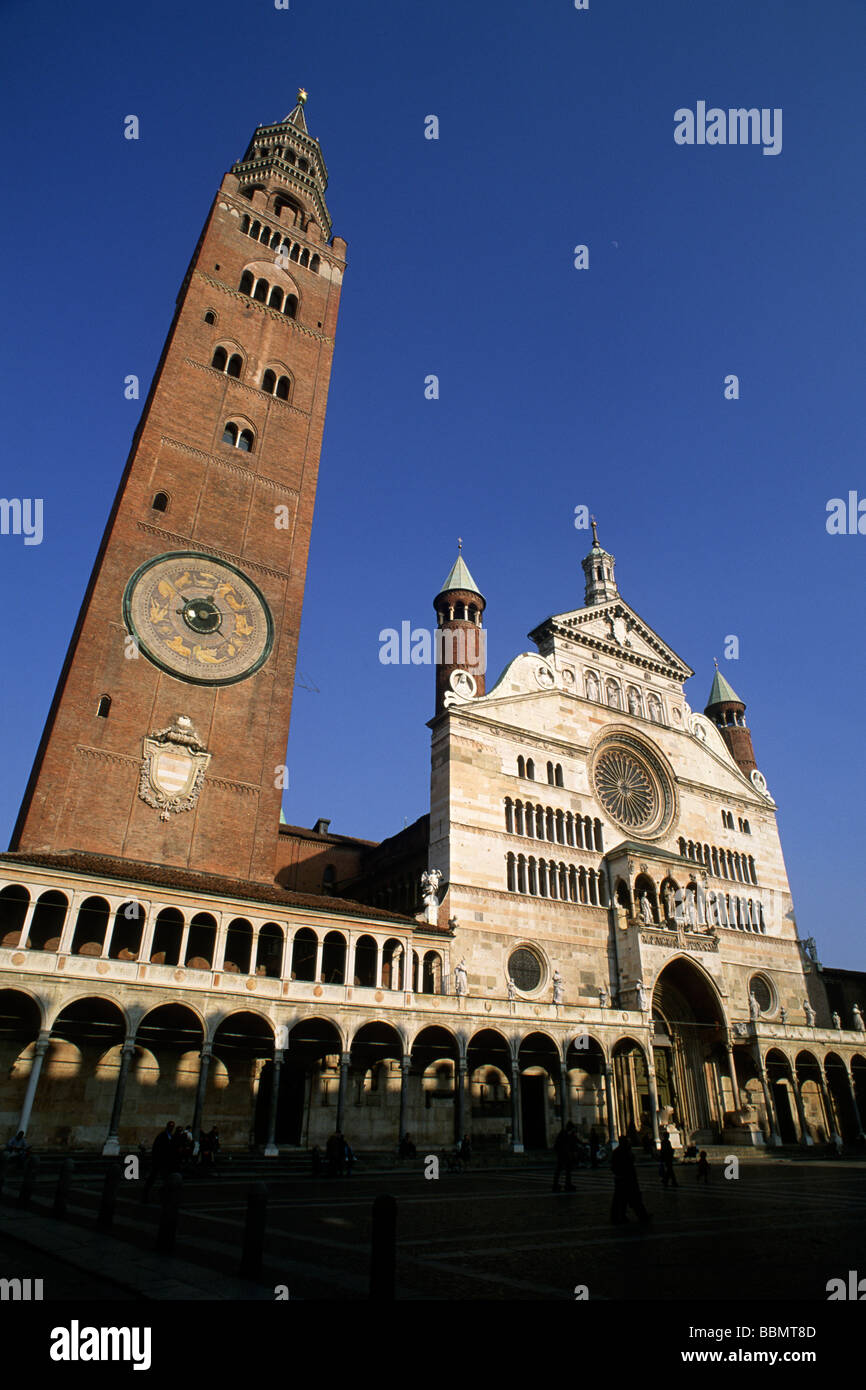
column 198, row 618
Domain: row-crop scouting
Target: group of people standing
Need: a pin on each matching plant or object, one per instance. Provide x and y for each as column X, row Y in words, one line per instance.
column 174, row 1150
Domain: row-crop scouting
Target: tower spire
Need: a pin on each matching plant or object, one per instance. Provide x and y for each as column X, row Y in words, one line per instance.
column 598, row 569
column 460, row 638
column 728, row 712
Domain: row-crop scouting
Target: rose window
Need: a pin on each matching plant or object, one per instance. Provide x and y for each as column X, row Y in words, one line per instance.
column 626, row 789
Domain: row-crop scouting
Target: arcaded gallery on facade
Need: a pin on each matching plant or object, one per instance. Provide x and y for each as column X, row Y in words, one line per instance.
column 593, row 922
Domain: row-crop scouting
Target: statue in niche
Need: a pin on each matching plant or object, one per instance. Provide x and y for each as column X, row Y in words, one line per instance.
column 641, row 996
column 783, row 1014
column 859, row 1025
column 558, row 990
column 646, row 911
column 613, row 695
column 670, row 903
column 837, row 1022
column 460, row 978
column 691, row 915
column 511, row 990
column 633, row 702
column 754, row 1008
column 810, row 1014
column 591, row 687
column 602, row 997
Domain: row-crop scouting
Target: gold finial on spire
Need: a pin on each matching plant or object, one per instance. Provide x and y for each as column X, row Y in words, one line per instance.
column 594, row 531
column 716, row 661
column 302, row 96
column 459, row 544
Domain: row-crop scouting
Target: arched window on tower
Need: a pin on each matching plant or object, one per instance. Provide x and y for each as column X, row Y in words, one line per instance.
column 246, row 285
column 558, row 775
column 269, row 381
column 219, row 359
column 290, row 308
column 261, row 291
column 521, row 765
column 550, row 774
column 104, row 707
column 235, row 363
column 314, row 265
column 245, row 441
column 283, row 390
column 276, row 298
column 160, row 502
column 530, row 769
column 230, row 434
column 210, row 316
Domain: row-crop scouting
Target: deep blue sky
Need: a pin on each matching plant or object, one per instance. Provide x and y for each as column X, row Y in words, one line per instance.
column 558, row 387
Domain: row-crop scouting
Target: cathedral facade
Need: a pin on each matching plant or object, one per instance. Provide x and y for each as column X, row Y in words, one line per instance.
column 593, row 922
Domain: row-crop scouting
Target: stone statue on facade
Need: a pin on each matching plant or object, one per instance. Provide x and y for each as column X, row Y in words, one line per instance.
column 810, row 1014
column 690, row 912
column 558, row 991
column 670, row 903
column 783, row 1014
column 591, row 687
column 633, row 702
column 646, row 911
column 511, row 990
column 641, row 996
column 754, row 1008
column 460, row 978
column 602, row 996
column 430, row 881
column 810, row 948
column 837, row 1022
column 859, row 1025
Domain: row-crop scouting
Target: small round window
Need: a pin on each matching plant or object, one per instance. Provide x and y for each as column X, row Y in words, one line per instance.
column 762, row 992
column 524, row 967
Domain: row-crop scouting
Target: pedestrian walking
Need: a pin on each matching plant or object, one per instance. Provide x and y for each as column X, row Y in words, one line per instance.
column 666, row 1162
column 163, row 1158
column 565, row 1148
column 703, row 1167
column 626, row 1192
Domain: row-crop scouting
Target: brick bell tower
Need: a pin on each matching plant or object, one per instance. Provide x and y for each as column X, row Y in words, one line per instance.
column 461, row 642
column 727, row 712
column 167, row 734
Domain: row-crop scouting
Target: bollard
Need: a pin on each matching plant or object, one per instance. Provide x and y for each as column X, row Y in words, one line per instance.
column 64, row 1182
column 254, row 1230
column 383, row 1247
column 171, row 1194
column 113, row 1178
column 31, row 1171
column 4, row 1162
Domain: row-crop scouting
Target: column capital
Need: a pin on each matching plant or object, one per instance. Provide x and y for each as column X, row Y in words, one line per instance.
column 278, row 1056
column 206, row 1050
column 345, row 1059
column 128, row 1047
column 406, row 1061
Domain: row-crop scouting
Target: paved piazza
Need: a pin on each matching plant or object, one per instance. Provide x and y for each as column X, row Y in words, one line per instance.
column 779, row 1231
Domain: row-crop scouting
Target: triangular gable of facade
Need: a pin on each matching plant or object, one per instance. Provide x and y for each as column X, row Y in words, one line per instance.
column 616, row 630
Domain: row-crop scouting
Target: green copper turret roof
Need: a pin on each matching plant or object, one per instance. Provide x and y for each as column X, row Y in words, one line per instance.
column 460, row 578
column 722, row 693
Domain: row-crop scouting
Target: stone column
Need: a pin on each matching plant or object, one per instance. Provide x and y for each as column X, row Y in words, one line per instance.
column 516, row 1117
column 460, row 1099
column 271, row 1150
column 775, row 1137
column 204, row 1063
column 28, row 917
column 732, row 1070
column 184, row 943
column 379, row 954
column 609, row 1103
column 145, row 946
column 653, row 1094
column 853, row 1093
column 405, row 1065
column 112, row 1145
column 219, row 955
column 39, row 1051
column 805, row 1136
column 286, row 956
column 563, row 1095
column 350, row 962
column 320, row 946
column 68, row 932
column 345, row 1060
column 830, row 1109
